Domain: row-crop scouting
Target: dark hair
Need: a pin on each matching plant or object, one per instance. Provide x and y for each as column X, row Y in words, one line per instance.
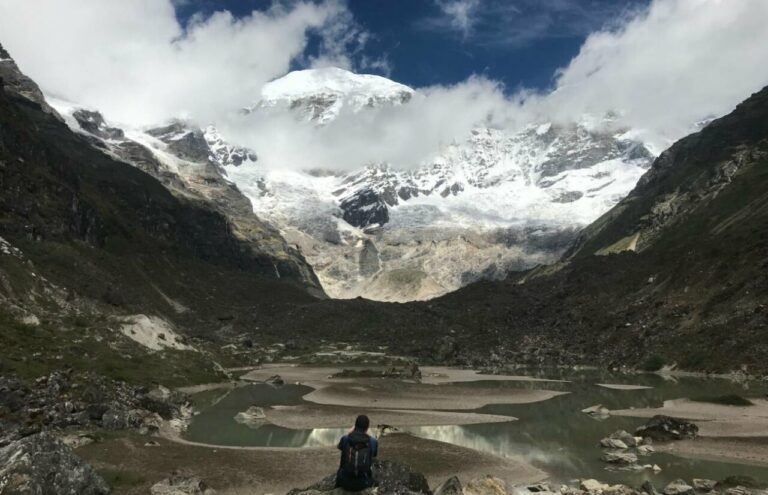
column 362, row 423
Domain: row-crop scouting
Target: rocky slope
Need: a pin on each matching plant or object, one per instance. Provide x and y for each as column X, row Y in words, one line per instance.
column 89, row 246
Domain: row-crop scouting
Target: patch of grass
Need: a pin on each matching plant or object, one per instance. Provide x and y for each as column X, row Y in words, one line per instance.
column 33, row 351
column 725, row 400
column 654, row 363
column 120, row 480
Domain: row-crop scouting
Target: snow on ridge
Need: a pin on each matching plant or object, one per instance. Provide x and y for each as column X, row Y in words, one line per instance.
column 310, row 82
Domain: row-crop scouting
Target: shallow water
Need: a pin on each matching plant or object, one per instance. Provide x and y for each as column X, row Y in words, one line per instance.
column 553, row 435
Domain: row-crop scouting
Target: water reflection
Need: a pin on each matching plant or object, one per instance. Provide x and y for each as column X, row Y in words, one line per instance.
column 553, row 435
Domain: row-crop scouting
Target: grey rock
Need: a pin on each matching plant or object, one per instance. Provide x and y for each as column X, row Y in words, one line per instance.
column 488, row 485
column 93, row 122
column 624, row 459
column 181, row 485
column 391, row 478
column 451, row 486
column 613, row 443
column 43, row 465
column 365, row 208
column 665, row 428
column 678, row 487
column 704, row 485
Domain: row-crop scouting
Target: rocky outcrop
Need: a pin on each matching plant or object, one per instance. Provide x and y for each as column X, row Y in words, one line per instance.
column 365, row 209
column 13, row 80
column 665, row 428
column 181, row 485
column 64, row 399
column 42, row 465
column 392, row 479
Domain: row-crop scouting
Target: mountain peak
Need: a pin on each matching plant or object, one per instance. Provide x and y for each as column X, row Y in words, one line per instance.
column 331, row 80
column 320, row 94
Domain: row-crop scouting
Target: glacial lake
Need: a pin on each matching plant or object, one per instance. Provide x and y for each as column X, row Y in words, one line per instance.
column 553, row 435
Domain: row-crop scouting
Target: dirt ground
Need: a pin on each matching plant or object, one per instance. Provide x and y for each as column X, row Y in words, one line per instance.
column 132, row 467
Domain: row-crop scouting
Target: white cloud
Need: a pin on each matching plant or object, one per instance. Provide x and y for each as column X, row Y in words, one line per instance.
column 667, row 67
column 663, row 68
column 134, row 62
column 403, row 136
column 460, row 15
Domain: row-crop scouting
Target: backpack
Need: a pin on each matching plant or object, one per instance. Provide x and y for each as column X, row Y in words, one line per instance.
column 356, row 457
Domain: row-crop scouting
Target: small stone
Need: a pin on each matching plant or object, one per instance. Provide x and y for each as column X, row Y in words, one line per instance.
column 613, row 443
column 624, row 459
column 593, row 486
column 703, row 485
column 678, row 487
column 645, row 450
column 539, row 488
column 181, row 485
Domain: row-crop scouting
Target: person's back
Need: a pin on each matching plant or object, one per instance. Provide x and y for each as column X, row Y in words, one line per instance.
column 357, row 452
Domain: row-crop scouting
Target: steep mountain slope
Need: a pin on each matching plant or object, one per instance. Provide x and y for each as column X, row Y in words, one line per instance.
column 483, row 206
column 189, row 162
column 96, row 253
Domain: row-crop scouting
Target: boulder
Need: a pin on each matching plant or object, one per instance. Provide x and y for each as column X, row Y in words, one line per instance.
column 619, row 490
column 648, row 488
column 645, row 450
column 704, row 485
column 665, row 428
column 539, row 488
column 623, row 459
column 392, row 478
column 275, row 380
column 593, row 486
column 678, row 487
column 253, row 417
column 597, row 411
column 626, row 438
column 181, row 485
column 451, row 486
column 43, row 465
column 487, row 485
column 613, row 443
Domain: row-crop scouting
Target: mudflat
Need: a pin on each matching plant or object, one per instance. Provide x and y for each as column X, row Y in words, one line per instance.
column 236, row 471
column 308, row 416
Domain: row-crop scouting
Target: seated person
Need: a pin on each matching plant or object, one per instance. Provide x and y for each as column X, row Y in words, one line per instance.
column 357, row 452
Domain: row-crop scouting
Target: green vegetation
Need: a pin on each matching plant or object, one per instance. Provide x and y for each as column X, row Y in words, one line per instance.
column 654, row 363
column 120, row 480
column 726, row 400
column 33, row 351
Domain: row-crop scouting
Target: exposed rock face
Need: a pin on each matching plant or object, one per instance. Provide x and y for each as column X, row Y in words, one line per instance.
column 42, row 465
column 665, row 428
column 189, row 162
column 93, row 122
column 365, row 209
column 15, row 81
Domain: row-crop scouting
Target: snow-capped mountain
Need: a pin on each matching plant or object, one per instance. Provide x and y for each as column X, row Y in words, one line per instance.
column 488, row 203
column 319, row 95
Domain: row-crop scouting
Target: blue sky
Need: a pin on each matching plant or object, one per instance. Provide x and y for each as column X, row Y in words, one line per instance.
column 520, row 43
